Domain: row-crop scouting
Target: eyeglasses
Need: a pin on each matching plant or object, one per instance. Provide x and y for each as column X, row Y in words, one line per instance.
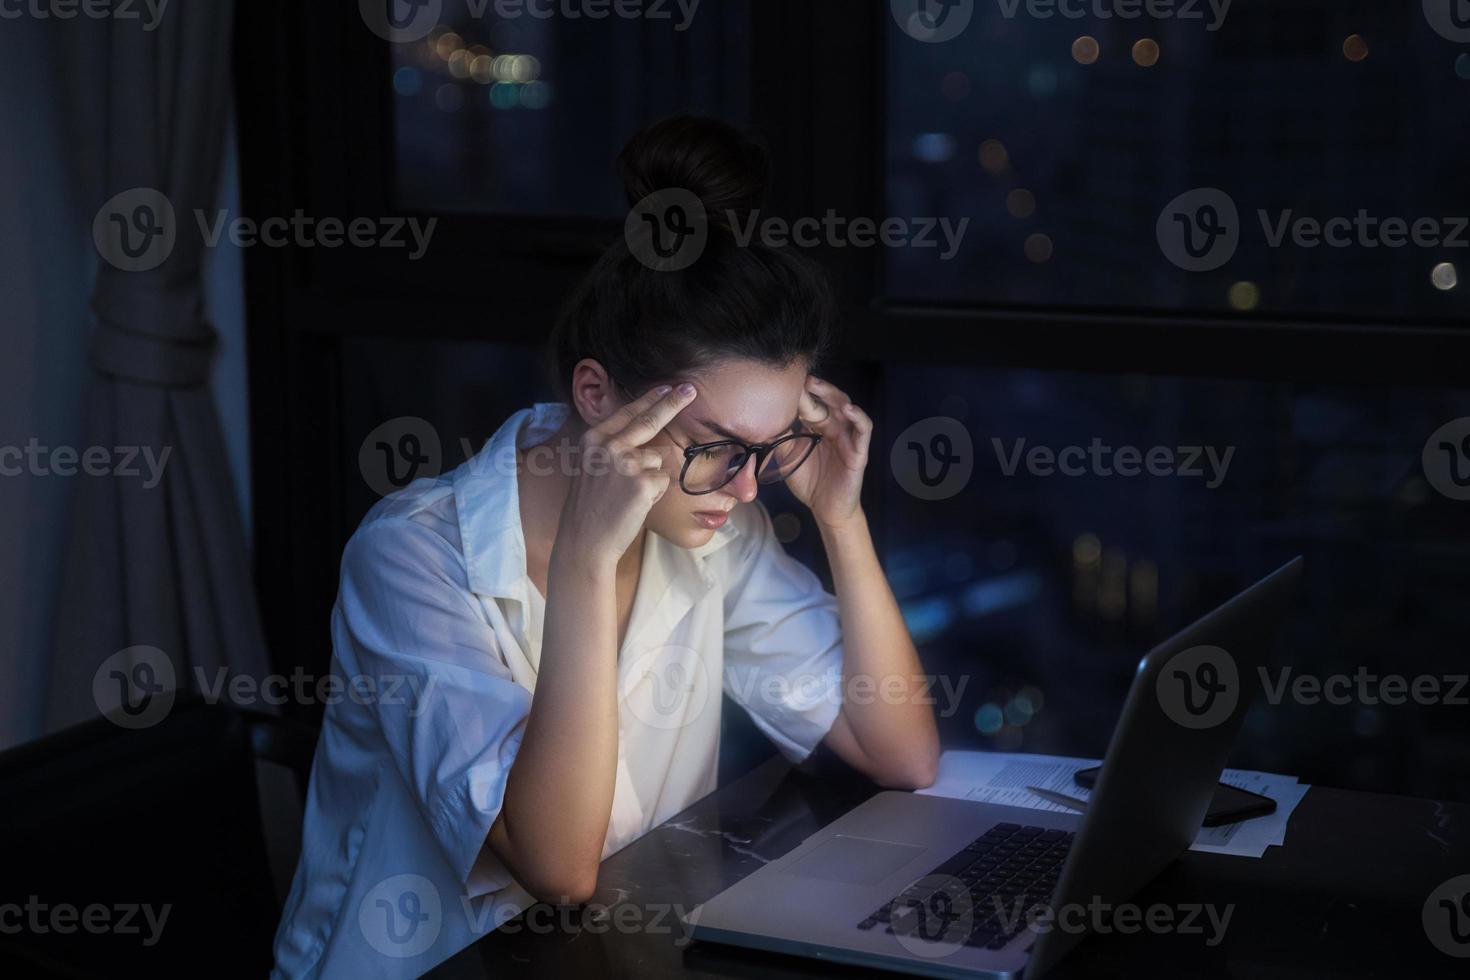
column 710, row 465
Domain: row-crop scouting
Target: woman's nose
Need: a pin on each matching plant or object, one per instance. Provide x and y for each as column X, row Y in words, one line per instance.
column 743, row 488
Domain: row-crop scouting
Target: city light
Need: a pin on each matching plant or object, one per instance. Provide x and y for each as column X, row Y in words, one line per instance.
column 1244, row 296
column 1445, row 276
column 1146, row 52
column 1021, row 203
column 1038, row 248
column 993, row 157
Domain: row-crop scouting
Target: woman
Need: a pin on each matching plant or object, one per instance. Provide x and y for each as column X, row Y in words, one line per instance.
column 609, row 554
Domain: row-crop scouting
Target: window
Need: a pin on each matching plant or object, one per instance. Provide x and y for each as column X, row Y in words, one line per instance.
column 1328, row 128
column 524, row 115
column 1043, row 578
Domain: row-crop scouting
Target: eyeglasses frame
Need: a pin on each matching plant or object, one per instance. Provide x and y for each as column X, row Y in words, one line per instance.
column 759, row 451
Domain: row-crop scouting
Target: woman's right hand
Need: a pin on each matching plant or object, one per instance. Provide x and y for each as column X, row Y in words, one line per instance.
column 618, row 479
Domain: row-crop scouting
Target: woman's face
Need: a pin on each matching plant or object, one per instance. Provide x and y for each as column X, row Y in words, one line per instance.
column 737, row 399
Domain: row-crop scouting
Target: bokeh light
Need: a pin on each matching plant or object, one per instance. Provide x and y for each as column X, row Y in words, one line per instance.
column 448, row 43
column 1244, row 296
column 1038, row 248
column 786, row 526
column 505, row 95
column 448, row 97
column 1018, row 711
column 1445, row 276
column 989, row 719
column 1041, row 82
column 934, row 147
column 1021, row 203
column 993, row 157
column 406, row 81
column 536, row 95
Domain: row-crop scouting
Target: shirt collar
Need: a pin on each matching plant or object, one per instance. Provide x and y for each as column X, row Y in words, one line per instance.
column 487, row 501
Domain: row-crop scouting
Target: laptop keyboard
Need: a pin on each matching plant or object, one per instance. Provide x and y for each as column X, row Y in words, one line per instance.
column 1007, row 871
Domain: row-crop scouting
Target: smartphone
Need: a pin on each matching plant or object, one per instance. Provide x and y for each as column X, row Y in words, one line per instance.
column 1230, row 805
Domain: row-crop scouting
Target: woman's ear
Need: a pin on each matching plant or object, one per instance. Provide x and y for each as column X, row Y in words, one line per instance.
column 594, row 397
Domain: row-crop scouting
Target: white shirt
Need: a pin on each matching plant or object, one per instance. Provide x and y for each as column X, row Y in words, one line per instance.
column 437, row 638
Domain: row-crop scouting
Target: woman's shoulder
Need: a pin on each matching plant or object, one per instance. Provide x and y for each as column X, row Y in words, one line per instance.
column 426, row 496
column 419, row 521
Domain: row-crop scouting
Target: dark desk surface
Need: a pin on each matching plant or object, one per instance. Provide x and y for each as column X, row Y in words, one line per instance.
column 1343, row 898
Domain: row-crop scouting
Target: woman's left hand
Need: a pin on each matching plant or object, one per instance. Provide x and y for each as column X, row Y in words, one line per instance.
column 831, row 481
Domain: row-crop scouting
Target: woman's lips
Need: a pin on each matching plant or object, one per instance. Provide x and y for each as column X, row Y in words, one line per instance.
column 712, row 519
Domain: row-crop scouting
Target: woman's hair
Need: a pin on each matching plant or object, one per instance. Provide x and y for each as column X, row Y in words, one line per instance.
column 751, row 300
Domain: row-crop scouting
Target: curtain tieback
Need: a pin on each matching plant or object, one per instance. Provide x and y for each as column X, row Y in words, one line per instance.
column 151, row 332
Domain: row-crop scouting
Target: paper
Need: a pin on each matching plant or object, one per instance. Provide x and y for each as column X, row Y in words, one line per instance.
column 1002, row 777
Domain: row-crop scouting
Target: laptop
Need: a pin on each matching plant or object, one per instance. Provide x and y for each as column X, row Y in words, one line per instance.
column 954, row 888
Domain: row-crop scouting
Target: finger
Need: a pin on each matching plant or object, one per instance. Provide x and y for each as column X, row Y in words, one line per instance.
column 861, row 432
column 812, row 411
column 618, row 421
column 658, row 484
column 651, row 420
column 859, row 418
column 631, row 462
column 834, row 396
column 832, row 402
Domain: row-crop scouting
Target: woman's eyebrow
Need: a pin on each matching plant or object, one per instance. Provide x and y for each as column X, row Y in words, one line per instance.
column 725, row 433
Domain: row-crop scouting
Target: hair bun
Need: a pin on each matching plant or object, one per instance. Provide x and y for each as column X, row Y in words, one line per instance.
column 722, row 166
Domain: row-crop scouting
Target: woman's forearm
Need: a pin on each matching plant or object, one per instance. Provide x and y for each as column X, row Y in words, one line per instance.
column 890, row 732
column 558, row 795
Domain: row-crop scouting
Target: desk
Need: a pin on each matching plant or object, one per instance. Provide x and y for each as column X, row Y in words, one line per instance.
column 1343, row 898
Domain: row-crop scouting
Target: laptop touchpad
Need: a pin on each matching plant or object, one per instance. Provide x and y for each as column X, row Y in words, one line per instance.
column 855, row 860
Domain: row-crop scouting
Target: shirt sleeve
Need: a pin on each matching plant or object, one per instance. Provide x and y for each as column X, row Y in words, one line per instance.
column 783, row 639
column 451, row 716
